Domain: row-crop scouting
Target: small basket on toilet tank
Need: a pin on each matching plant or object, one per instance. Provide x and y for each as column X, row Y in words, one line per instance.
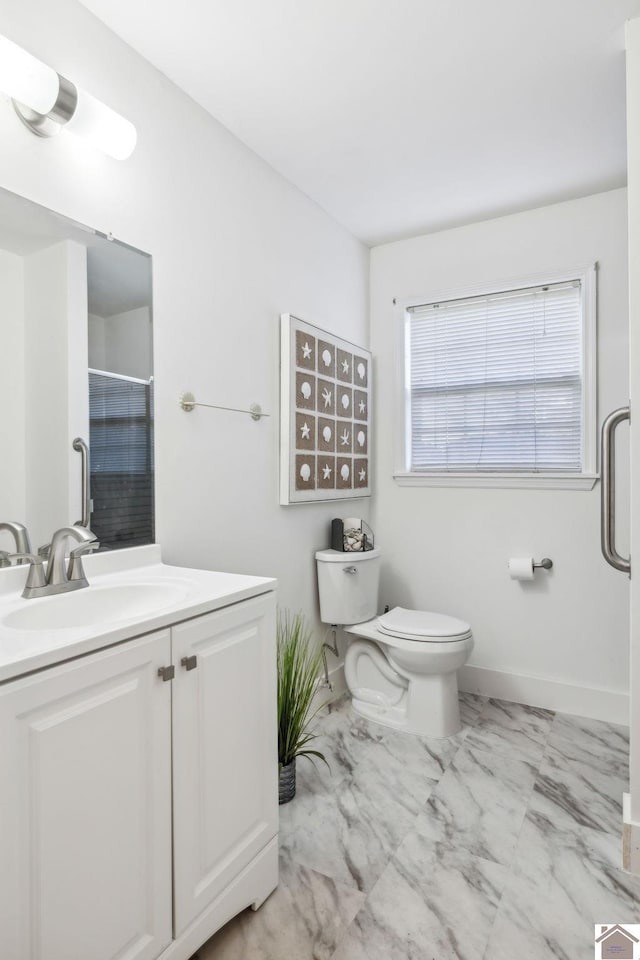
column 348, row 585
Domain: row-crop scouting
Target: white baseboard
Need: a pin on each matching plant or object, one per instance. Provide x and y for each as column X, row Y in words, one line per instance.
column 581, row 701
column 550, row 694
column 630, row 838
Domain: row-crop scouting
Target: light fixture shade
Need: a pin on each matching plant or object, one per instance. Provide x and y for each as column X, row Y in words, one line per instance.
column 103, row 127
column 26, row 79
column 47, row 102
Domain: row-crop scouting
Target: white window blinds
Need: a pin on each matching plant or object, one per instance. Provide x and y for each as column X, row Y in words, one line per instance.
column 121, row 444
column 495, row 382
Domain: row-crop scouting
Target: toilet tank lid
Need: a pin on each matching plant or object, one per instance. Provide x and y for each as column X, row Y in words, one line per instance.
column 421, row 623
column 345, row 556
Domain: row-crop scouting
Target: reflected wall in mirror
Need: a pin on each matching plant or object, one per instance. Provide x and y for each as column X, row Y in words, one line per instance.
column 76, row 355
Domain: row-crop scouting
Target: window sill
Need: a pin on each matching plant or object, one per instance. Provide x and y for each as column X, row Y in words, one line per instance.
column 530, row 481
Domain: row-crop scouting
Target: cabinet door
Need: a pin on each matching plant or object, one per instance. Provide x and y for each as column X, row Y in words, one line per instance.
column 225, row 752
column 85, row 808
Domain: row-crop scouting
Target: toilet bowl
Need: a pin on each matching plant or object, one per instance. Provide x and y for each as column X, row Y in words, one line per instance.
column 401, row 667
column 401, row 670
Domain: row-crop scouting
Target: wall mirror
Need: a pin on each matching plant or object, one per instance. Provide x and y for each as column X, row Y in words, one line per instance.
column 76, row 337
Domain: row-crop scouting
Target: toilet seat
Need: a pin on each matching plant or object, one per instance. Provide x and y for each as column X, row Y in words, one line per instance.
column 422, row 626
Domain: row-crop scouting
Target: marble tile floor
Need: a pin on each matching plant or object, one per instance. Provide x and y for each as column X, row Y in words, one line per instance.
column 503, row 841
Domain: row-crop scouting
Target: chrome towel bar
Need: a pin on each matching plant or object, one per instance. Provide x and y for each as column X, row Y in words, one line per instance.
column 187, row 401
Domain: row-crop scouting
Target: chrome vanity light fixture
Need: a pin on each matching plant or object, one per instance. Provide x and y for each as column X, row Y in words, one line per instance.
column 47, row 102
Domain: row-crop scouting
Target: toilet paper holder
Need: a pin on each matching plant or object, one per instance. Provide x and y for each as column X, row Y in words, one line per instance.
column 545, row 563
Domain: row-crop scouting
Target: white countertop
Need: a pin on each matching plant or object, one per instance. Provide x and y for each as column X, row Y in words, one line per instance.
column 190, row 592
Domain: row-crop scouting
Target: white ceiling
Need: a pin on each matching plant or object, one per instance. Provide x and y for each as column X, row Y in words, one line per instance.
column 405, row 116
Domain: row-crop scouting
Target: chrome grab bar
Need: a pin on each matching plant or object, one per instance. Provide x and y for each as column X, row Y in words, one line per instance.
column 80, row 446
column 608, row 490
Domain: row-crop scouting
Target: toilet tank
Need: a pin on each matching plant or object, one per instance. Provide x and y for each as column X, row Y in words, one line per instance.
column 348, row 585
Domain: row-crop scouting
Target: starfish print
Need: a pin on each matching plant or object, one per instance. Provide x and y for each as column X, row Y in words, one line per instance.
column 326, row 396
column 344, row 439
column 326, row 472
column 345, row 366
column 306, row 350
column 362, row 406
column 362, row 475
column 304, row 430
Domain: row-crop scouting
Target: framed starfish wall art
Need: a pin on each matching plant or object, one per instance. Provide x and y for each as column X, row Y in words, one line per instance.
column 325, row 415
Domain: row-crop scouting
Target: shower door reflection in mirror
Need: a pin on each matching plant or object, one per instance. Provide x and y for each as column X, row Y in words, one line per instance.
column 120, row 396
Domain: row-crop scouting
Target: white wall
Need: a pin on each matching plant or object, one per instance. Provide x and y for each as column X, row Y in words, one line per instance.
column 12, row 428
column 446, row 549
column 97, row 342
column 233, row 245
column 56, row 396
column 129, row 343
column 43, row 350
column 122, row 343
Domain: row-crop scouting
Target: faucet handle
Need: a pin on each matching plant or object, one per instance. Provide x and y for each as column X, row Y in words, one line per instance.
column 76, row 570
column 35, row 577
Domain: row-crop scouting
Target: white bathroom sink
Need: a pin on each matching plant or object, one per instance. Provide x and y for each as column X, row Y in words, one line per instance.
column 97, row 604
column 130, row 592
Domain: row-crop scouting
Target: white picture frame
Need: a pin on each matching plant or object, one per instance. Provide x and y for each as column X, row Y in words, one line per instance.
column 325, row 415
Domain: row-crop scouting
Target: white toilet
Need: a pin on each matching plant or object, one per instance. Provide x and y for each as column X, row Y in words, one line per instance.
column 400, row 668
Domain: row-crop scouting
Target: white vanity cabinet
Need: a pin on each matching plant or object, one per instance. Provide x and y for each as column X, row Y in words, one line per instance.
column 138, row 814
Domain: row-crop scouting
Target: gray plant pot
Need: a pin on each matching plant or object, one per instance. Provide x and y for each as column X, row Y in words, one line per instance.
column 287, row 782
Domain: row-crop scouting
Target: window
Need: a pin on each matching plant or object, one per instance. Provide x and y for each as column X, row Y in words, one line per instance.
column 499, row 386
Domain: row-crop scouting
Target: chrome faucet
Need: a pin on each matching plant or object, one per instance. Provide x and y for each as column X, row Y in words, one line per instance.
column 20, row 535
column 71, row 578
column 60, row 577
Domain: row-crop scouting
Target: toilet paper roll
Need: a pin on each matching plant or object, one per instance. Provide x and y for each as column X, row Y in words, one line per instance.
column 521, row 568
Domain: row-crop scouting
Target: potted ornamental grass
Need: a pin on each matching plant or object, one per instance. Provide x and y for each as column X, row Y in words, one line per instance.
column 299, row 660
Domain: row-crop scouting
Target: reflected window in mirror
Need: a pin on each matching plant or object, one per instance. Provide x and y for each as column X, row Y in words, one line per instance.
column 121, row 461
